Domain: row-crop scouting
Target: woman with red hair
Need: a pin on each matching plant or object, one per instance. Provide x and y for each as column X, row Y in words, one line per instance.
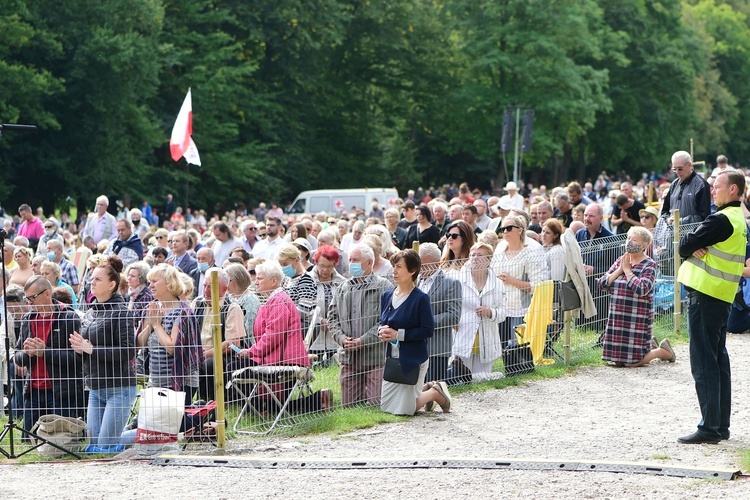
column 327, row 279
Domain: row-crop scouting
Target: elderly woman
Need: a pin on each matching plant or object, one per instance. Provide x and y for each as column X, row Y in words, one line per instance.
column 353, row 238
column 20, row 274
column 381, row 266
column 460, row 238
column 398, row 234
column 406, row 324
column 423, row 231
column 139, row 296
column 476, row 342
column 278, row 337
column 630, row 283
column 327, row 279
column 554, row 252
column 107, row 344
column 52, row 272
column 389, row 249
column 240, row 293
column 520, row 268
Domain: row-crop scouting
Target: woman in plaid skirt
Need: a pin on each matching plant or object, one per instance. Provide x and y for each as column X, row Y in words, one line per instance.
column 630, row 282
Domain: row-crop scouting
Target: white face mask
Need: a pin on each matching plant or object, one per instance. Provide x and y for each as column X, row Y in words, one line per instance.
column 49, row 232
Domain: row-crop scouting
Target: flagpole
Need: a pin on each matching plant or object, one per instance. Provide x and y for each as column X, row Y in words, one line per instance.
column 187, row 187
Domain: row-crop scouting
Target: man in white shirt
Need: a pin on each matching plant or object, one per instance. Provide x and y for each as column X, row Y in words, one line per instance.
column 268, row 248
column 100, row 225
column 224, row 244
column 512, row 198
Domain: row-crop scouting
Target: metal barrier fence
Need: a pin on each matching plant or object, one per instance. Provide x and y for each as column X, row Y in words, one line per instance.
column 94, row 365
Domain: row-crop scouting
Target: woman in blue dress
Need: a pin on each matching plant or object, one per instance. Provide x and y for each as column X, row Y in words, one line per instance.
column 406, row 322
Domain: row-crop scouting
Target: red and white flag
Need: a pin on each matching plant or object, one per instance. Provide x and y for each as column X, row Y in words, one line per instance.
column 181, row 144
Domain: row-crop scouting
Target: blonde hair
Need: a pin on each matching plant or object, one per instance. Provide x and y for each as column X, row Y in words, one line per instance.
column 171, row 278
column 489, row 238
column 373, row 241
column 288, row 251
column 48, row 265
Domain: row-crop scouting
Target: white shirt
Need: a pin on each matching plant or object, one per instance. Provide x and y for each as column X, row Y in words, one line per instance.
column 223, row 250
column 516, row 200
column 267, row 250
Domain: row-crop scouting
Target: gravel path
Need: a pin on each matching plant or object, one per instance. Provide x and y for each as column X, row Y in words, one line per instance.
column 602, row 413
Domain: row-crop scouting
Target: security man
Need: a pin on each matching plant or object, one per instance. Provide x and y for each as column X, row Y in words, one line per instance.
column 715, row 255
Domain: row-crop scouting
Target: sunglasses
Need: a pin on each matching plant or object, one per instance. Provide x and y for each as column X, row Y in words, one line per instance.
column 453, row 236
column 262, row 235
column 31, row 299
column 160, row 237
column 49, row 227
column 509, row 228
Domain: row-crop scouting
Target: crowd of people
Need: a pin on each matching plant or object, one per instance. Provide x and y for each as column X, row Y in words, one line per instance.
column 407, row 301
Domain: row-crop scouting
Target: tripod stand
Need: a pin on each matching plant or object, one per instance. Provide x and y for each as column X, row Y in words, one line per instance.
column 11, row 426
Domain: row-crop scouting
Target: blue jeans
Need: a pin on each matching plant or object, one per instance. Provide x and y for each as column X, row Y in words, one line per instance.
column 709, row 362
column 507, row 330
column 108, row 412
column 35, row 404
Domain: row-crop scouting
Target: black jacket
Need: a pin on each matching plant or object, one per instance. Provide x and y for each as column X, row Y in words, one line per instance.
column 64, row 366
column 109, row 326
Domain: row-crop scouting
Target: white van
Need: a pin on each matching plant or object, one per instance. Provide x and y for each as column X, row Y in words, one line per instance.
column 336, row 201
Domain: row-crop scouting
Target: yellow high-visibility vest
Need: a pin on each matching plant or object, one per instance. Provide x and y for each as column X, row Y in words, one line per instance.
column 718, row 273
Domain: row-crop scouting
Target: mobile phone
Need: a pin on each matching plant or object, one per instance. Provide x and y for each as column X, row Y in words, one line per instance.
column 235, row 348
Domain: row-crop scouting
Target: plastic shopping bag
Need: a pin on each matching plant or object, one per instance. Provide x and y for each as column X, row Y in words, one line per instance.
column 159, row 419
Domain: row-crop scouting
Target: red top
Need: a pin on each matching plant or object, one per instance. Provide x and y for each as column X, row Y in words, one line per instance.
column 40, row 329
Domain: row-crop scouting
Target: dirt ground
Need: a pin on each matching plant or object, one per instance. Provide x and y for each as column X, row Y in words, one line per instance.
column 597, row 414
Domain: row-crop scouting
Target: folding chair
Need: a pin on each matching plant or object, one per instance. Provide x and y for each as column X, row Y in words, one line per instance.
column 267, row 382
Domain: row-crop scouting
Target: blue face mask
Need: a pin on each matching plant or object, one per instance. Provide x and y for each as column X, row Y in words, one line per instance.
column 289, row 271
column 355, row 269
column 202, row 267
column 51, row 256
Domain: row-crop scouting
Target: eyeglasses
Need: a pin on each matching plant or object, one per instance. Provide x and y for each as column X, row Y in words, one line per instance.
column 160, row 237
column 453, row 236
column 251, row 229
column 679, row 169
column 509, row 228
column 49, row 227
column 31, row 299
column 645, row 216
column 262, row 235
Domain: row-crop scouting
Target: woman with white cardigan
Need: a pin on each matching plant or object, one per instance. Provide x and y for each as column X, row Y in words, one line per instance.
column 476, row 342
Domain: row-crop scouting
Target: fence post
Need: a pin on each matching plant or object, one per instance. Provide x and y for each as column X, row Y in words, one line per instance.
column 567, row 327
column 677, row 287
column 221, row 438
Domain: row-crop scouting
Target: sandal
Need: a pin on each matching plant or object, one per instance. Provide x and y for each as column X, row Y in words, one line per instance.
column 442, row 389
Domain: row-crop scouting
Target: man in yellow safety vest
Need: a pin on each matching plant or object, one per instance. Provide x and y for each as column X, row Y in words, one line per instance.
column 715, row 256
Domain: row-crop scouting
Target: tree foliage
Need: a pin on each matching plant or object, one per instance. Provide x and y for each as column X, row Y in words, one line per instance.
column 299, row 94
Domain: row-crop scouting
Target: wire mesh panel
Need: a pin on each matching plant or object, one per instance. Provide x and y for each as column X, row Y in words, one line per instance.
column 141, row 370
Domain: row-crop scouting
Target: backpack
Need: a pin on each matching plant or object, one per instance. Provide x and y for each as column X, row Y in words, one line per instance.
column 742, row 299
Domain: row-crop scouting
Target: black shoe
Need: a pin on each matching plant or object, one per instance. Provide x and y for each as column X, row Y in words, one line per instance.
column 696, row 438
column 725, row 436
